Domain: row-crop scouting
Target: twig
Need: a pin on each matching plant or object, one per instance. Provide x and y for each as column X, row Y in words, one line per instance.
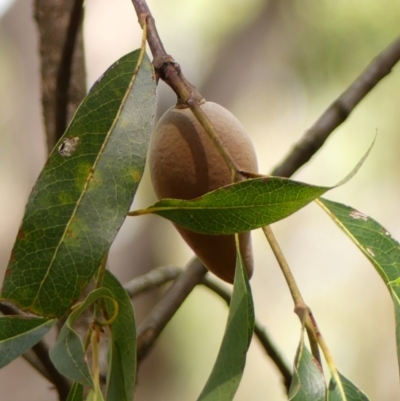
column 170, row 72
column 259, row 332
column 8, row 310
column 60, row 382
column 339, row 110
column 328, row 356
column 164, row 274
column 164, row 64
column 291, row 282
column 300, row 306
column 152, row 279
column 41, row 352
column 33, row 360
column 65, row 71
column 62, row 63
column 162, row 313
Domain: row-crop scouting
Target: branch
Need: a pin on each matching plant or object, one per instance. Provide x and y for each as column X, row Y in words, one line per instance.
column 188, row 96
column 65, row 70
column 62, row 63
column 33, row 360
column 162, row 313
column 162, row 275
column 41, row 355
column 153, row 279
column 300, row 306
column 164, row 64
column 338, row 111
column 259, row 332
column 60, row 382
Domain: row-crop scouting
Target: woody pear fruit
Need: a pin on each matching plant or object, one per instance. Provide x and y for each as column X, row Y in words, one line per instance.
column 185, row 164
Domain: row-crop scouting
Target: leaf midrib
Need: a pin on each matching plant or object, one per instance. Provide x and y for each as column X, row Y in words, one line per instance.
column 92, row 171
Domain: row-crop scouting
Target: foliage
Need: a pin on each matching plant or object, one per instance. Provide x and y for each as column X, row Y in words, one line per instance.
column 74, row 212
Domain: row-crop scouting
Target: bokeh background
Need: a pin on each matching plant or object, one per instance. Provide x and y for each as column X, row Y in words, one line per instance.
column 276, row 65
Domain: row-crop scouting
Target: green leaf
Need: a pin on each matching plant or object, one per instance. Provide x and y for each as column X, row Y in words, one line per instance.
column 19, row 333
column 122, row 359
column 377, row 245
column 346, row 391
column 76, row 392
column 84, row 191
column 228, row 369
column 238, row 207
column 242, row 206
column 308, row 383
column 68, row 354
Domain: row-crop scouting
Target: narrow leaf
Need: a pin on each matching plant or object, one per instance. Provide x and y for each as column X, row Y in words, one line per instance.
column 242, row 206
column 350, row 391
column 308, row 380
column 76, row 392
column 377, row 245
column 18, row 334
column 68, row 354
column 84, row 191
column 238, row 207
column 228, row 369
column 122, row 359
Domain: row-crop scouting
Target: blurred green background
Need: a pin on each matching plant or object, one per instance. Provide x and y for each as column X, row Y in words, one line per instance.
column 276, row 65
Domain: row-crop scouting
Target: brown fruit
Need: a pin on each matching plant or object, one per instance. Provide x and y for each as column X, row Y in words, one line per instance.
column 184, row 164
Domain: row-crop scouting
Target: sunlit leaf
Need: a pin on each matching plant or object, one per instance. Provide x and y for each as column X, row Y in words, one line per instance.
column 308, row 383
column 346, row 391
column 238, row 207
column 19, row 333
column 122, row 359
column 377, row 245
column 228, row 369
column 243, row 206
column 84, row 191
column 68, row 354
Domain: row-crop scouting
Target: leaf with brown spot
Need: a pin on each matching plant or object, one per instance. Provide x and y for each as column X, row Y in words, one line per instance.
column 81, row 198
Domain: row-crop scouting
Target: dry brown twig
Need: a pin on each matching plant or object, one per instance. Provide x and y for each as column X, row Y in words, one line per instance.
column 162, row 313
column 62, row 63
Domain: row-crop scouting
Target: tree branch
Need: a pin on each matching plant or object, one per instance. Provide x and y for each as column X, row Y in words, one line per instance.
column 338, row 111
column 65, row 71
column 188, row 96
column 60, row 382
column 162, row 275
column 33, row 360
column 162, row 313
column 153, row 279
column 164, row 64
column 259, row 332
column 62, row 63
